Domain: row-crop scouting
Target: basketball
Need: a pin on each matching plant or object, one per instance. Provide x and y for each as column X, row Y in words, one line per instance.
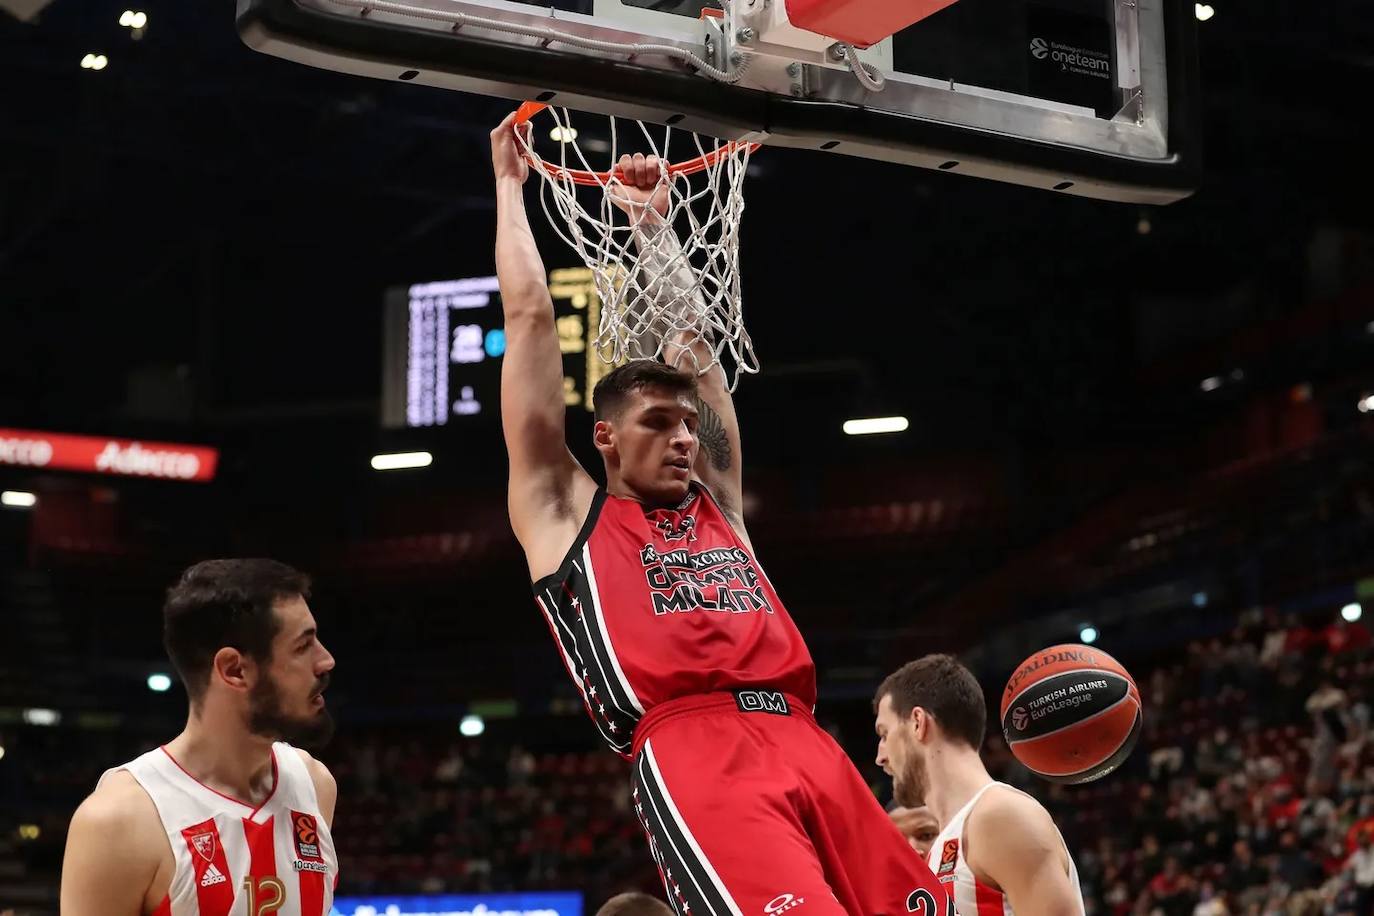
column 1071, row 713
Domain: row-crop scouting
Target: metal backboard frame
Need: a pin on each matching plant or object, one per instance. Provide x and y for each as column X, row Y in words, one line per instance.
column 1147, row 151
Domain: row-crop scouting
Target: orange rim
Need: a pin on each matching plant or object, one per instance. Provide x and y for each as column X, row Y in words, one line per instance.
column 583, row 177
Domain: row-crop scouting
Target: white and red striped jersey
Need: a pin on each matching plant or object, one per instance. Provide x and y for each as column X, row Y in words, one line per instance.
column 233, row 859
column 971, row 896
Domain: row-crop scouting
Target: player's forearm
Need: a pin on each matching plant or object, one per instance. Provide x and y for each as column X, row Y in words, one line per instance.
column 519, row 268
column 673, row 287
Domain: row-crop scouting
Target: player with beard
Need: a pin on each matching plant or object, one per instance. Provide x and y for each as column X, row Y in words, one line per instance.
column 998, row 852
column 228, row 815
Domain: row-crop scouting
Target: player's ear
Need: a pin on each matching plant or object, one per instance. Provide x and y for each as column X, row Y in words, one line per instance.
column 920, row 723
column 231, row 668
column 603, row 436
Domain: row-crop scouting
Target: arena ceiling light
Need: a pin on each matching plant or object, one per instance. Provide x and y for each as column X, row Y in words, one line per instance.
column 131, row 19
column 2, row 752
column 1203, row 11
column 1088, row 635
column 563, row 134
column 39, row 716
column 1352, row 612
column 94, row 62
column 1366, row 403
column 875, row 425
column 471, row 726
column 401, row 460
column 18, row 499
column 159, row 683
column 1211, row 384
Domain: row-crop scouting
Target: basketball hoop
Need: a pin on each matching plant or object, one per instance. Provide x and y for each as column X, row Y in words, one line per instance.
column 669, row 288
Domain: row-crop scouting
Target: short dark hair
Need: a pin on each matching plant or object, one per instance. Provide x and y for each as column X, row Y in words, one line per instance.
column 611, row 393
column 634, row 904
column 221, row 603
column 943, row 687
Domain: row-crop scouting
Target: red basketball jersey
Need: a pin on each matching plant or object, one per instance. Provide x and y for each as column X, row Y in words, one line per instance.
column 651, row 605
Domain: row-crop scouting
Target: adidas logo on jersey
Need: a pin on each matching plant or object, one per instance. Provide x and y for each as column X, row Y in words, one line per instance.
column 212, row 876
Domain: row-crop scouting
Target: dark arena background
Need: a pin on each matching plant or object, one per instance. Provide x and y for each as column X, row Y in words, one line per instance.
column 1149, row 429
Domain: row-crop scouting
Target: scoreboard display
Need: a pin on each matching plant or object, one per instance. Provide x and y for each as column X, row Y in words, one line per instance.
column 444, row 342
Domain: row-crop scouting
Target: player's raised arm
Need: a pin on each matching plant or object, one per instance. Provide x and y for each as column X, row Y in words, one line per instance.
column 671, row 280
column 549, row 491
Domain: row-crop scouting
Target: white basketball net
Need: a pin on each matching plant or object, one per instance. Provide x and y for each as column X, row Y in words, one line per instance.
column 669, row 295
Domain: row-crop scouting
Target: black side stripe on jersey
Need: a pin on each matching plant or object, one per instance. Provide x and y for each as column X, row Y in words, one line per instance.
column 619, row 739
column 572, row 660
column 592, row 622
column 599, row 680
column 685, row 873
column 567, row 642
column 580, row 652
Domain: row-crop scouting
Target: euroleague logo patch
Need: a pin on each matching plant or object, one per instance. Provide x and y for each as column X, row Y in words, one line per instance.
column 1019, row 719
column 949, row 858
column 307, row 835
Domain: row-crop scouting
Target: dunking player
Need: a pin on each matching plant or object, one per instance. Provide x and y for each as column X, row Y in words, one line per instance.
column 687, row 660
column 998, row 851
column 224, row 817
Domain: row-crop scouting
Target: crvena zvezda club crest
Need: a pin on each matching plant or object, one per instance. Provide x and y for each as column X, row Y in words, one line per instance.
column 204, row 845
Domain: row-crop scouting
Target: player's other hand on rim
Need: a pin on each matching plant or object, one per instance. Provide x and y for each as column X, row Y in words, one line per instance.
column 507, row 155
column 640, row 187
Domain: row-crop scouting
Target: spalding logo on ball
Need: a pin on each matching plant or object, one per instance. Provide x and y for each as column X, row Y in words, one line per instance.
column 1071, row 713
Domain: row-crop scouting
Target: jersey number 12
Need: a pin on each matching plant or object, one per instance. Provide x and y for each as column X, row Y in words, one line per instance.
column 265, row 895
